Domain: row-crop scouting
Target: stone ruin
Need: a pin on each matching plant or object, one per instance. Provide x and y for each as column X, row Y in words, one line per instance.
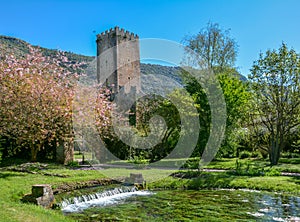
column 41, row 194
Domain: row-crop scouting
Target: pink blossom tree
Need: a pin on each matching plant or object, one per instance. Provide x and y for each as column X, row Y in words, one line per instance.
column 36, row 100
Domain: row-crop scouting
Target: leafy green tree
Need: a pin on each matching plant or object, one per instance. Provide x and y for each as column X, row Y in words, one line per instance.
column 236, row 97
column 275, row 81
column 213, row 50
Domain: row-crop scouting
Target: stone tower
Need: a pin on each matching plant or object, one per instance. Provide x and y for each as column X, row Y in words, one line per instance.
column 118, row 60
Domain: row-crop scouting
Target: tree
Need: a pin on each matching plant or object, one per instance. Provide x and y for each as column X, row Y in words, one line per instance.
column 236, row 97
column 213, row 51
column 275, row 81
column 36, row 101
column 170, row 111
column 212, row 47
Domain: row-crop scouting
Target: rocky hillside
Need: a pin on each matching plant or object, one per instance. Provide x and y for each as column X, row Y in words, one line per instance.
column 157, row 75
column 19, row 48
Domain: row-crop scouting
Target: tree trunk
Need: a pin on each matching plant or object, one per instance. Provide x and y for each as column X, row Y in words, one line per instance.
column 34, row 152
column 274, row 152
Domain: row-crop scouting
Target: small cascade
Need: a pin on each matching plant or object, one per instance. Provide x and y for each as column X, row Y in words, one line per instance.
column 105, row 198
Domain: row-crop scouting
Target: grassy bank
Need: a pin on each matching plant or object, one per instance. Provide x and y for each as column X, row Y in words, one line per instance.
column 16, row 184
column 224, row 180
column 284, row 165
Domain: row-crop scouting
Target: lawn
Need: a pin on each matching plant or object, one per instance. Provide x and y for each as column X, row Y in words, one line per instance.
column 16, row 184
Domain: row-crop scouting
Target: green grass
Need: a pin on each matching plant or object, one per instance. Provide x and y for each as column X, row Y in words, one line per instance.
column 225, row 180
column 284, row 165
column 150, row 175
column 78, row 155
column 16, row 184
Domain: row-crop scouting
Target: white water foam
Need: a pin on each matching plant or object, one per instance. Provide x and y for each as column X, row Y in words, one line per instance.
column 109, row 197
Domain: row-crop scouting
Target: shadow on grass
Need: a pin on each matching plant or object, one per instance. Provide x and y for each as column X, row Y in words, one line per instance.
column 209, row 181
column 221, row 160
column 295, row 180
column 12, row 161
column 6, row 175
column 202, row 180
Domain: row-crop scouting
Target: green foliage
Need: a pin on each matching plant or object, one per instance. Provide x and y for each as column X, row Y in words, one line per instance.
column 154, row 116
column 236, row 98
column 139, row 160
column 228, row 180
column 275, row 82
column 245, row 154
column 256, row 154
column 272, row 172
column 191, row 163
column 289, row 160
column 73, row 164
column 248, row 169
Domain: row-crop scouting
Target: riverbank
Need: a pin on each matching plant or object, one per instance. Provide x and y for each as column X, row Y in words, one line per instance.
column 14, row 185
column 219, row 180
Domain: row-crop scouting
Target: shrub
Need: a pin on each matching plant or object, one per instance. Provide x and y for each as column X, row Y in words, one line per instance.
column 139, row 160
column 272, row 172
column 247, row 169
column 245, row 154
column 290, row 155
column 256, row 154
column 73, row 164
column 191, row 163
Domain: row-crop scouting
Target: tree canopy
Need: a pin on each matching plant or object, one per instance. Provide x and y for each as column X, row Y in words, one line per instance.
column 275, row 82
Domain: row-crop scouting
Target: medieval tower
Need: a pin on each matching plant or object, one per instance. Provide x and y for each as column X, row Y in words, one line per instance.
column 118, row 60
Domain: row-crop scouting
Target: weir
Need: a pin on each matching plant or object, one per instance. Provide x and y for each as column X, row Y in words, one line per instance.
column 108, row 197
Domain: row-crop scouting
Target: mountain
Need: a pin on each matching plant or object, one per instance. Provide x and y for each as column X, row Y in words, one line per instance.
column 155, row 76
column 19, row 48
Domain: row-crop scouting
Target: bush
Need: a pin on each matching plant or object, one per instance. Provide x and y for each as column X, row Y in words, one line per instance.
column 290, row 155
column 139, row 160
column 247, row 169
column 191, row 163
column 245, row 154
column 256, row 154
column 290, row 160
column 272, row 172
column 73, row 164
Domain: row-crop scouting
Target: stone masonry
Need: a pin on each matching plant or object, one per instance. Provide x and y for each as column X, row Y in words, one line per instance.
column 118, row 60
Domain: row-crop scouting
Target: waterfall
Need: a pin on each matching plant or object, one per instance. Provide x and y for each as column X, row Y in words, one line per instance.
column 108, row 197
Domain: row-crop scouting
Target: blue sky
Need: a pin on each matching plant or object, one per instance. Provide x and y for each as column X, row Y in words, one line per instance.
column 256, row 25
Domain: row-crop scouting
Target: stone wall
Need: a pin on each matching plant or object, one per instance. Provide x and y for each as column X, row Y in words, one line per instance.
column 118, row 59
column 65, row 152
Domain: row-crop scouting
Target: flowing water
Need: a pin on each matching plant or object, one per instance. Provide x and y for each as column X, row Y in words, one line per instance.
column 178, row 205
column 100, row 199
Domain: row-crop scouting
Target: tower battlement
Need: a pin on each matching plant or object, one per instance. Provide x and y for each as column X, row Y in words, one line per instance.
column 116, row 31
column 118, row 59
